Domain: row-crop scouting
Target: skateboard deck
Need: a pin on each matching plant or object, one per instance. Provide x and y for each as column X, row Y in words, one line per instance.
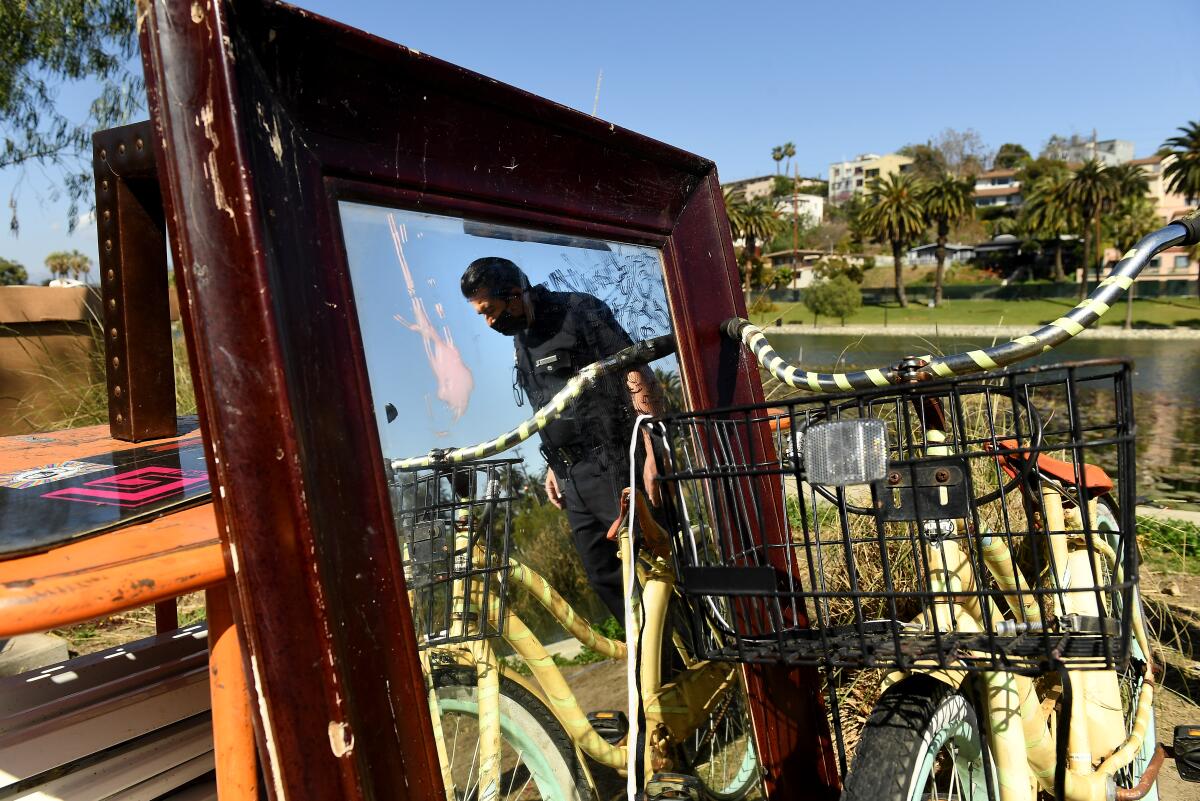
column 72, row 496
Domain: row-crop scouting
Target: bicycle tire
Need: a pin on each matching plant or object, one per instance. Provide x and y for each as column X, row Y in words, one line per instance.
column 546, row 760
column 721, row 752
column 897, row 757
column 1131, row 677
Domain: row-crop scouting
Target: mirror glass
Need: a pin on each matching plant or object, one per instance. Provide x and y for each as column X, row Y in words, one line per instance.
column 450, row 370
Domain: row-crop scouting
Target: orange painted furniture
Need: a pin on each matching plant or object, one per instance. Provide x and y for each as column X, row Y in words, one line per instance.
column 147, row 563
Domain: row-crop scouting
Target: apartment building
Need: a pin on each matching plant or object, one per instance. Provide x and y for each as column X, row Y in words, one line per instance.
column 997, row 188
column 806, row 207
column 1109, row 152
column 1173, row 264
column 849, row 178
column 751, row 188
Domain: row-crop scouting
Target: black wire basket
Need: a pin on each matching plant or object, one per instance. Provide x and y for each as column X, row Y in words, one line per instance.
column 455, row 527
column 997, row 534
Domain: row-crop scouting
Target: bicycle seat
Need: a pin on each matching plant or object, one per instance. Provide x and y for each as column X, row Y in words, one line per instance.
column 1095, row 479
column 656, row 538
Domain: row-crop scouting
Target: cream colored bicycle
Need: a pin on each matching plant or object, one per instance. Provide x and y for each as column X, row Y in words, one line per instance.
column 503, row 735
column 967, row 535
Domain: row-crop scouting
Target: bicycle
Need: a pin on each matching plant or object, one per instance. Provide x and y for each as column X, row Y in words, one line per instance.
column 956, row 534
column 502, row 735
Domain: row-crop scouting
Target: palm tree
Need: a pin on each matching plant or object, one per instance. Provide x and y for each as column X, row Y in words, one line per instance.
column 947, row 201
column 1088, row 192
column 59, row 263
column 789, row 152
column 754, row 221
column 777, row 154
column 1046, row 214
column 1132, row 218
column 894, row 214
column 79, row 264
column 1183, row 173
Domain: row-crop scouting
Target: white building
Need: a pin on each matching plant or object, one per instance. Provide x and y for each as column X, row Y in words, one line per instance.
column 1109, row 152
column 997, row 188
column 806, row 207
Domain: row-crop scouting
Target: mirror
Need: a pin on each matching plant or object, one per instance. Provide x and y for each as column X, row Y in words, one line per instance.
column 449, row 369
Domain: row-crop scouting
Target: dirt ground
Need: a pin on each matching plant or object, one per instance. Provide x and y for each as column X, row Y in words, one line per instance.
column 1173, row 606
column 1172, row 601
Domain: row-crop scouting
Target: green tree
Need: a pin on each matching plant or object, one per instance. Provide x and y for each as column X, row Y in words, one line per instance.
column 672, row 388
column 894, row 214
column 12, row 273
column 789, row 153
column 63, row 263
column 947, row 200
column 79, row 264
column 1010, row 156
column 1131, row 219
column 1088, row 192
column 1183, row 173
column 44, row 43
column 838, row 297
column 831, row 267
column 59, row 263
column 782, row 276
column 1046, row 215
column 753, row 221
column 928, row 162
column 777, row 155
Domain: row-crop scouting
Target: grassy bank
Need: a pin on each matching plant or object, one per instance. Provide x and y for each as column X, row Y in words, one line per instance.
column 1147, row 313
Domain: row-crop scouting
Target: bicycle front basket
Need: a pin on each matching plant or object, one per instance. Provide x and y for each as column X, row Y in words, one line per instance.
column 455, row 528
column 993, row 541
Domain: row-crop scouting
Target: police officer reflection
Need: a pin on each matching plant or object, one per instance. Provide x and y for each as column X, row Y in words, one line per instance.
column 556, row 334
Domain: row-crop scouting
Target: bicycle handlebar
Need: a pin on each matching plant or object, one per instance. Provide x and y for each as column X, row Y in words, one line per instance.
column 1184, row 231
column 635, row 355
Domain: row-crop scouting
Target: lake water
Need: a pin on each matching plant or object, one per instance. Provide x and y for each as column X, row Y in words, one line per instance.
column 1166, row 393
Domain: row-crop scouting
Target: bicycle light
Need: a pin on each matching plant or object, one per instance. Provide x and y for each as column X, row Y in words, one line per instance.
column 846, row 452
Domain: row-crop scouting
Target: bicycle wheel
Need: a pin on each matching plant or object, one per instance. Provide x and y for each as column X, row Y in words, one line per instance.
column 720, row 752
column 922, row 742
column 1130, row 680
column 537, row 758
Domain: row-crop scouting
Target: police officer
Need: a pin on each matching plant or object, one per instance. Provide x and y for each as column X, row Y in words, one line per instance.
column 556, row 334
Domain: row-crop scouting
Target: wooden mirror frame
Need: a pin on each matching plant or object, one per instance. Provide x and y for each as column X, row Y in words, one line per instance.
column 267, row 116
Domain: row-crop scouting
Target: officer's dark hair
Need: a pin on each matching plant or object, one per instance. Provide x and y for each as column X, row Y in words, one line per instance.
column 493, row 274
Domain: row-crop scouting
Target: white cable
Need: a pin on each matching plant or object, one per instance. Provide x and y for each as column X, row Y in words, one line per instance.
column 631, row 629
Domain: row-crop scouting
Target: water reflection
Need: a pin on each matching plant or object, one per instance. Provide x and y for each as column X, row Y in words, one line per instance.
column 1166, row 405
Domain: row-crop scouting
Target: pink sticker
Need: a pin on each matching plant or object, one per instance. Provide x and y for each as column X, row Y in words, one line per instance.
column 134, row 488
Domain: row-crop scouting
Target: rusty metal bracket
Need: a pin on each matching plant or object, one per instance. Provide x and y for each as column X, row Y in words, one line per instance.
column 136, row 313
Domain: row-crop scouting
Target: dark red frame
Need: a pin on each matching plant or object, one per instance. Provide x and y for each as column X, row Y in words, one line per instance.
column 267, row 115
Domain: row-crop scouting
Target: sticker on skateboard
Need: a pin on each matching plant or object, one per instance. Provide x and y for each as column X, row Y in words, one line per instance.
column 37, row 476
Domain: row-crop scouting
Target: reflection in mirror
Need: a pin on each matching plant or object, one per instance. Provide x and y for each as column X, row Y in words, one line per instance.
column 481, row 343
column 468, row 329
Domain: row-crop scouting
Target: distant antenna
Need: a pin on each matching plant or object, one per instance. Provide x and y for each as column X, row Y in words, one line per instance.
column 596, row 102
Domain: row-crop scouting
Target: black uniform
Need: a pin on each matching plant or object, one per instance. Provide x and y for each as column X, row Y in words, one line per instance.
column 588, row 446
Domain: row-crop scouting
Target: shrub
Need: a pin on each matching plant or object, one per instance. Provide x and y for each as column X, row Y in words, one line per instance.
column 837, row 297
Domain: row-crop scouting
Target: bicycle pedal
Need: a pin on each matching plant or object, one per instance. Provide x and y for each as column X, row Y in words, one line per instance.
column 672, row 787
column 1187, row 752
column 611, row 724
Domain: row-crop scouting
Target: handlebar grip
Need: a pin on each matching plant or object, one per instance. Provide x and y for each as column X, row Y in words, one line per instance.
column 732, row 328
column 1191, row 223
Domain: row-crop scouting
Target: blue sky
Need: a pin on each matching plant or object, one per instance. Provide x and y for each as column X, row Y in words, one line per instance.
column 731, row 80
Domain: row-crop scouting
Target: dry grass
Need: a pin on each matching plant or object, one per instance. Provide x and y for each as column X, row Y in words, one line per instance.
column 77, row 393
column 135, row 624
column 78, row 397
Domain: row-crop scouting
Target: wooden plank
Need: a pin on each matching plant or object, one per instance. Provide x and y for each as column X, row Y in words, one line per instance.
column 146, row 563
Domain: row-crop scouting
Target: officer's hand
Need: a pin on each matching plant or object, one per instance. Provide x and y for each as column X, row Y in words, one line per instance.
column 552, row 488
column 649, row 474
